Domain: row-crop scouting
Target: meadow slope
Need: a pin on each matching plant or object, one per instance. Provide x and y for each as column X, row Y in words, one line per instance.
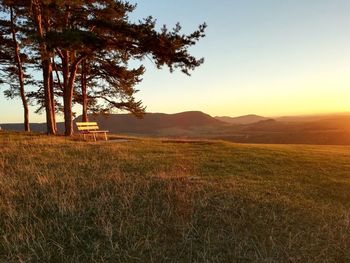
column 154, row 200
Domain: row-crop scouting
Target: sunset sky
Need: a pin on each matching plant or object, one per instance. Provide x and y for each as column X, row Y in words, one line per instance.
column 268, row 57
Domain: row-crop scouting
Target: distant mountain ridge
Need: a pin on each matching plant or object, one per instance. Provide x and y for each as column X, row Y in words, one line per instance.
column 246, row 119
column 154, row 123
column 327, row 129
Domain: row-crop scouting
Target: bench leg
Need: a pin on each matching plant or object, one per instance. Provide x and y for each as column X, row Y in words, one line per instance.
column 95, row 137
column 106, row 136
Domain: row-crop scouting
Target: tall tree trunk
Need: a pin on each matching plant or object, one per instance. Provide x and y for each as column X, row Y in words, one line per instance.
column 53, row 103
column 67, row 103
column 85, row 117
column 46, row 67
column 20, row 73
column 50, row 114
column 69, row 75
column 68, row 99
column 68, row 113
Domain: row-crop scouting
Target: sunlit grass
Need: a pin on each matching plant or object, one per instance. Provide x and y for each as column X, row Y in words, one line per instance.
column 151, row 200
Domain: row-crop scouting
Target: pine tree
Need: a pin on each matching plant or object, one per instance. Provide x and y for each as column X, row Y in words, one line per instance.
column 39, row 16
column 13, row 62
column 101, row 31
column 92, row 42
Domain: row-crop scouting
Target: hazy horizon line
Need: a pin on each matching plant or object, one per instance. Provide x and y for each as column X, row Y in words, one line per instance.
column 325, row 114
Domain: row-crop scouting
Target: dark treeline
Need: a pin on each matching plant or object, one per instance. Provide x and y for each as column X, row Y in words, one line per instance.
column 83, row 50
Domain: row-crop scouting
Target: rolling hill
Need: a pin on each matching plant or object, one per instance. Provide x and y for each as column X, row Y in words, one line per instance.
column 331, row 130
column 246, row 119
column 157, row 123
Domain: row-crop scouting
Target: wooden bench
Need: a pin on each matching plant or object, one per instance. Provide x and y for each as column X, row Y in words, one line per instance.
column 86, row 128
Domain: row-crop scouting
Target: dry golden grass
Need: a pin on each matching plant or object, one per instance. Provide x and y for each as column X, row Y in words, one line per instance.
column 167, row 201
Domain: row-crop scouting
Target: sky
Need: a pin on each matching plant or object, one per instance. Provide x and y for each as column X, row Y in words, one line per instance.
column 266, row 57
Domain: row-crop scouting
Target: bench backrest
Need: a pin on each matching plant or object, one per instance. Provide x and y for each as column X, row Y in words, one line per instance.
column 87, row 126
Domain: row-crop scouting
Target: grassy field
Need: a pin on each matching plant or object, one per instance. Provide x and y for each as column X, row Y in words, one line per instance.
column 151, row 200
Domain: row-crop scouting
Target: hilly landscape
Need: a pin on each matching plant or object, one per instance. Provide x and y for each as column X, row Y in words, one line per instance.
column 184, row 123
column 236, row 178
column 326, row 130
column 329, row 130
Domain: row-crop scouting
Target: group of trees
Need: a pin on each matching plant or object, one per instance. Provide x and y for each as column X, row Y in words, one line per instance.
column 83, row 50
